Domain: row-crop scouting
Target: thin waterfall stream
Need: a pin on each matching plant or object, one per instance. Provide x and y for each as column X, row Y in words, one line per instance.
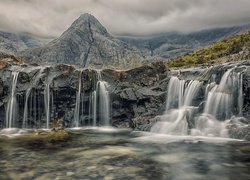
column 25, row 112
column 11, row 111
column 47, row 98
column 78, row 101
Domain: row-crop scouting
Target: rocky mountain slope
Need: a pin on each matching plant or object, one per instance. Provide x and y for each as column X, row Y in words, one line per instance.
column 12, row 43
column 85, row 43
column 170, row 45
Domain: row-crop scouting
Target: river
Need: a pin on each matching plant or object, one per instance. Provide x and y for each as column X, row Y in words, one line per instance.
column 109, row 153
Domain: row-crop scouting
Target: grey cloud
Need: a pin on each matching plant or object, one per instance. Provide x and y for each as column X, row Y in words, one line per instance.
column 49, row 18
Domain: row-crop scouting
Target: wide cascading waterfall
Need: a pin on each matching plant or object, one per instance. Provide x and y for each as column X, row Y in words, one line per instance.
column 219, row 98
column 11, row 111
column 100, row 102
column 78, row 101
column 178, row 109
column 222, row 102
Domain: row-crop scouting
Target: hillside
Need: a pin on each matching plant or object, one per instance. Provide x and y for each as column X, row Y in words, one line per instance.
column 86, row 43
column 12, row 43
column 233, row 48
column 172, row 45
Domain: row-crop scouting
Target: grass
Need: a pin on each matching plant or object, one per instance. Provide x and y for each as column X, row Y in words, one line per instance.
column 231, row 45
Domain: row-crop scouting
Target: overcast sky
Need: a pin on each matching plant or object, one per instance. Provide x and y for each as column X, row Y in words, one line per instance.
column 49, row 18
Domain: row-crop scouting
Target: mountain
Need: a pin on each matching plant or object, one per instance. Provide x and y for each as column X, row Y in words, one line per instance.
column 234, row 48
column 85, row 43
column 170, row 45
column 12, row 43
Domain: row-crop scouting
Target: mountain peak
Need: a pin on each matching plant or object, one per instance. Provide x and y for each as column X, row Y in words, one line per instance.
column 85, row 43
column 87, row 16
column 86, row 23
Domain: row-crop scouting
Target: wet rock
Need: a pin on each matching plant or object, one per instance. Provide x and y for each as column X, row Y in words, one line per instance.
column 1, row 86
column 239, row 131
column 143, row 123
column 131, row 94
column 23, row 78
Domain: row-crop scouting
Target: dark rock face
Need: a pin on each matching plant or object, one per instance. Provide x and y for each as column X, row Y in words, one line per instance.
column 137, row 96
column 137, row 93
column 132, row 93
column 85, row 43
column 62, row 87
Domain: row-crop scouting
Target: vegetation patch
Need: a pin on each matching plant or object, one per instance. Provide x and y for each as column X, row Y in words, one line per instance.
column 232, row 45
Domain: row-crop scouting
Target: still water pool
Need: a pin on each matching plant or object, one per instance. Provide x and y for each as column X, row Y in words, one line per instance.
column 107, row 153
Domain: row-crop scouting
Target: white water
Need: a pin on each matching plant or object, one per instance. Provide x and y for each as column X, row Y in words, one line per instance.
column 219, row 99
column 78, row 101
column 11, row 111
column 240, row 94
column 179, row 107
column 100, row 102
column 181, row 118
column 25, row 112
column 94, row 107
column 47, row 100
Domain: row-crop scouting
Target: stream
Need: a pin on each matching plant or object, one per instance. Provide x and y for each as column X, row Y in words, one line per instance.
column 109, row 153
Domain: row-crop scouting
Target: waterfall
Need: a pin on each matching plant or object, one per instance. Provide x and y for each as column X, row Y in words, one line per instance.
column 78, row 100
column 178, row 109
column 175, row 93
column 240, row 94
column 94, row 106
column 27, row 95
column 11, row 111
column 104, row 102
column 221, row 102
column 47, row 99
column 25, row 112
column 100, row 102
